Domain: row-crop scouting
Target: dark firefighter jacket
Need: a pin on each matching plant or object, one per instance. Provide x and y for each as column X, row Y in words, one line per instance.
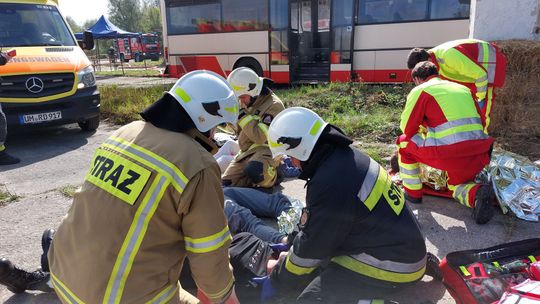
column 355, row 217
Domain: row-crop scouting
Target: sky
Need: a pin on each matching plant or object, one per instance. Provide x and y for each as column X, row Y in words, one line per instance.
column 82, row 10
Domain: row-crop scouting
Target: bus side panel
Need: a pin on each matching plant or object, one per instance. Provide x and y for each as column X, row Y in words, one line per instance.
column 340, row 72
column 217, row 51
column 280, row 74
column 384, row 60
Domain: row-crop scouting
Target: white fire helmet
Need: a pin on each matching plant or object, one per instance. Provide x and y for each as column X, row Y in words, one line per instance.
column 245, row 81
column 207, row 98
column 295, row 132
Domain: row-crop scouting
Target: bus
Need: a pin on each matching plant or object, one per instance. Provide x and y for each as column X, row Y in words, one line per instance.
column 295, row 41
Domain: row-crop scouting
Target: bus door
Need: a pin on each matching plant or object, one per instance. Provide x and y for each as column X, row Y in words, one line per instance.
column 309, row 40
column 342, row 37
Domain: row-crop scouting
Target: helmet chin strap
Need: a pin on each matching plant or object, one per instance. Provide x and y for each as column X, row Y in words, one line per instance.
column 204, row 140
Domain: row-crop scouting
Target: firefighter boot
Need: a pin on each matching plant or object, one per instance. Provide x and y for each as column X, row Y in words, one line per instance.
column 483, row 211
column 432, row 267
column 17, row 280
column 6, row 159
column 46, row 240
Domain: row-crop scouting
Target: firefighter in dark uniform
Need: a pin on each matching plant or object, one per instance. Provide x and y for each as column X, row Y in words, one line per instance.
column 254, row 165
column 358, row 240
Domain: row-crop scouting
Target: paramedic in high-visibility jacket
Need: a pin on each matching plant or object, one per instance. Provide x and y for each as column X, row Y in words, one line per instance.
column 254, row 165
column 477, row 64
column 358, row 239
column 151, row 198
column 442, row 128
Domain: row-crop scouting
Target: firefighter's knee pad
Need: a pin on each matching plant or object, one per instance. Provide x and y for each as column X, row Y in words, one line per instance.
column 254, row 170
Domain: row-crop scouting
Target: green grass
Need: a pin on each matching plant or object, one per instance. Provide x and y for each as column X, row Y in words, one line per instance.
column 7, row 197
column 69, row 190
column 368, row 113
column 123, row 105
column 131, row 73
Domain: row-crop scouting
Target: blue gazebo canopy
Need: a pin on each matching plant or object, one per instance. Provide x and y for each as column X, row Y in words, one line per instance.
column 104, row 29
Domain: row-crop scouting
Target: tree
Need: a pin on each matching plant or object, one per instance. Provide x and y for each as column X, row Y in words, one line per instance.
column 151, row 21
column 73, row 25
column 126, row 14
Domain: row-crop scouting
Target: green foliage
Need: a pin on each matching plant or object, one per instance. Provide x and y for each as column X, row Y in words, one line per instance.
column 126, row 14
column 151, row 19
column 73, row 25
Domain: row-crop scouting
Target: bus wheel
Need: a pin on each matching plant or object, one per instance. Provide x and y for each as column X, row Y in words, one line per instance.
column 90, row 124
column 138, row 57
column 250, row 63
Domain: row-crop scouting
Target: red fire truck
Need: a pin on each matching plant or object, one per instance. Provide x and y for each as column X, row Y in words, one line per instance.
column 141, row 47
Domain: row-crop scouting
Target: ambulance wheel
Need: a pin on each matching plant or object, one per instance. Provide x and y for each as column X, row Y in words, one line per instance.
column 90, row 124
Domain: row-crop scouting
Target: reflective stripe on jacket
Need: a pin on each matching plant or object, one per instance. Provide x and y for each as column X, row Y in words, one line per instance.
column 442, row 115
column 151, row 198
column 253, row 126
column 473, row 62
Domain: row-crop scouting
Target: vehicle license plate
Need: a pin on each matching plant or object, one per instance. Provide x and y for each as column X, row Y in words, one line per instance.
column 41, row 117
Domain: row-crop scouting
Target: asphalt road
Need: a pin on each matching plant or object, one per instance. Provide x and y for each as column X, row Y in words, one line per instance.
column 55, row 158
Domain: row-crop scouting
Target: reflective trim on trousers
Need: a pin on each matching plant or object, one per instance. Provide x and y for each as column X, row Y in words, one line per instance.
column 450, row 139
column 403, row 170
column 296, row 269
column 390, row 265
column 461, row 193
column 208, row 243
column 64, row 292
column 303, row 262
column 165, row 295
column 150, row 159
column 133, row 240
column 400, row 273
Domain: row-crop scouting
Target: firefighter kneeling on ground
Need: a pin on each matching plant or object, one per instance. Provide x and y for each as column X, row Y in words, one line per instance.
column 254, row 165
column 358, row 239
column 477, row 64
column 443, row 128
column 151, row 198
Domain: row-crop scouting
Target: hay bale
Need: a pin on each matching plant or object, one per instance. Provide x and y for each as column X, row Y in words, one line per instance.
column 515, row 116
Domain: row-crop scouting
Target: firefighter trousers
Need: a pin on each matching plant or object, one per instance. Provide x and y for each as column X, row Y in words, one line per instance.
column 256, row 170
column 461, row 172
column 336, row 284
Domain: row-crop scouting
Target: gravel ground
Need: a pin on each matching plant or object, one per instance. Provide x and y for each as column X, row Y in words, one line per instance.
column 58, row 157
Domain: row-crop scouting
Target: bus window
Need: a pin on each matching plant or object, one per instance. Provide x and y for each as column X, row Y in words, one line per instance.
column 385, row 11
column 342, row 27
column 193, row 18
column 245, row 15
column 279, row 24
column 449, row 9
